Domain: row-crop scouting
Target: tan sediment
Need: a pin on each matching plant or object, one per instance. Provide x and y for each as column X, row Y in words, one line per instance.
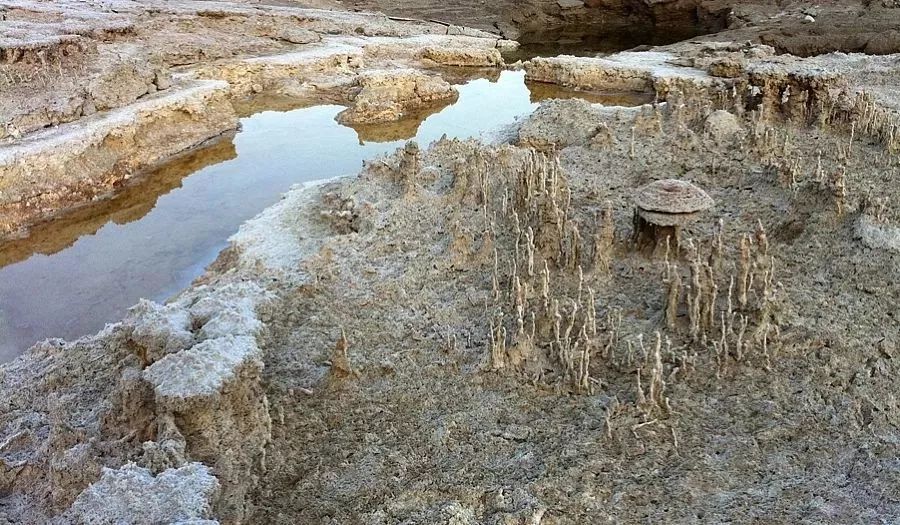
column 81, row 161
column 60, row 168
column 507, row 346
column 641, row 72
column 392, row 95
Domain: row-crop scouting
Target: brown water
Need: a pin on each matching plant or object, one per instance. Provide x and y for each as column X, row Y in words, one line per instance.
column 75, row 274
column 597, row 41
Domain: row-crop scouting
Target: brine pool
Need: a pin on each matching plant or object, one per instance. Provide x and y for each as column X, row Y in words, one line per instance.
column 73, row 275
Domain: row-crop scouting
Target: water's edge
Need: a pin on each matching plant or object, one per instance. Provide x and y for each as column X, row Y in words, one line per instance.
column 75, row 274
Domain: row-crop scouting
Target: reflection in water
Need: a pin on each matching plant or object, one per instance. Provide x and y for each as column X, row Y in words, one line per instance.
column 130, row 204
column 73, row 275
column 113, row 263
column 463, row 75
column 271, row 102
column 598, row 40
column 400, row 130
column 541, row 92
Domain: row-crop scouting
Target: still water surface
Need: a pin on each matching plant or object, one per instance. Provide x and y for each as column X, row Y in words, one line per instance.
column 592, row 41
column 75, row 274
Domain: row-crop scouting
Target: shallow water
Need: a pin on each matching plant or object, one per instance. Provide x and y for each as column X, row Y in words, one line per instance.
column 597, row 41
column 75, row 274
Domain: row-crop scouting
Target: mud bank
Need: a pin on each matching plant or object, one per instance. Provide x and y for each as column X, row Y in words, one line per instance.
column 584, row 375
column 587, row 369
column 158, row 234
column 135, row 112
column 76, row 163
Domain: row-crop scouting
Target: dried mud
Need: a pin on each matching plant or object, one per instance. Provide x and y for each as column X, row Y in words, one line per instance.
column 470, row 331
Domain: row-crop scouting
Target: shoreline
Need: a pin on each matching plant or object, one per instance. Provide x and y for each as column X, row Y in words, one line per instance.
column 467, row 331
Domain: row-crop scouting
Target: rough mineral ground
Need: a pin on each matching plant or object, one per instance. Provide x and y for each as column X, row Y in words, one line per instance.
column 385, row 96
column 467, row 332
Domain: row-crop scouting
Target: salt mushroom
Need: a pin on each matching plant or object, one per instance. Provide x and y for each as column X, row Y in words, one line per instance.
column 663, row 207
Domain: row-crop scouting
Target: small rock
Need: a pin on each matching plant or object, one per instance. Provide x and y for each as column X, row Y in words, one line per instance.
column 878, row 235
column 507, row 45
column 88, row 107
column 759, row 51
column 298, row 36
column 464, row 31
column 888, row 348
column 808, row 19
column 727, row 67
column 722, row 125
column 163, row 80
column 570, row 4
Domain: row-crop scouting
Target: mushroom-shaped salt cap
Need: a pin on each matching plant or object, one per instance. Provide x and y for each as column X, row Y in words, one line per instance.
column 671, row 196
column 663, row 207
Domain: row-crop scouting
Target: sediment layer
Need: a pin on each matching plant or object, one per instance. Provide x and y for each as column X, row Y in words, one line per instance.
column 471, row 332
column 75, row 163
column 138, row 117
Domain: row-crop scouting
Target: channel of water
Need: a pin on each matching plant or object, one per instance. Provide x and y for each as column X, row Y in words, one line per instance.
column 73, row 275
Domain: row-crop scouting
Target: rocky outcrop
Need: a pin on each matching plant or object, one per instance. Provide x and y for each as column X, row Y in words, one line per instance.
column 69, row 410
column 565, row 122
column 463, row 56
column 215, row 397
column 272, row 73
column 743, row 77
column 115, row 76
column 77, row 162
column 132, row 494
column 209, row 401
column 657, row 72
column 385, row 96
column 173, row 389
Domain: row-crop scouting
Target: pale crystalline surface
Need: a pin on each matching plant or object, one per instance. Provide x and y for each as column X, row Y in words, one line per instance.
column 876, row 235
column 203, row 369
column 132, row 494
